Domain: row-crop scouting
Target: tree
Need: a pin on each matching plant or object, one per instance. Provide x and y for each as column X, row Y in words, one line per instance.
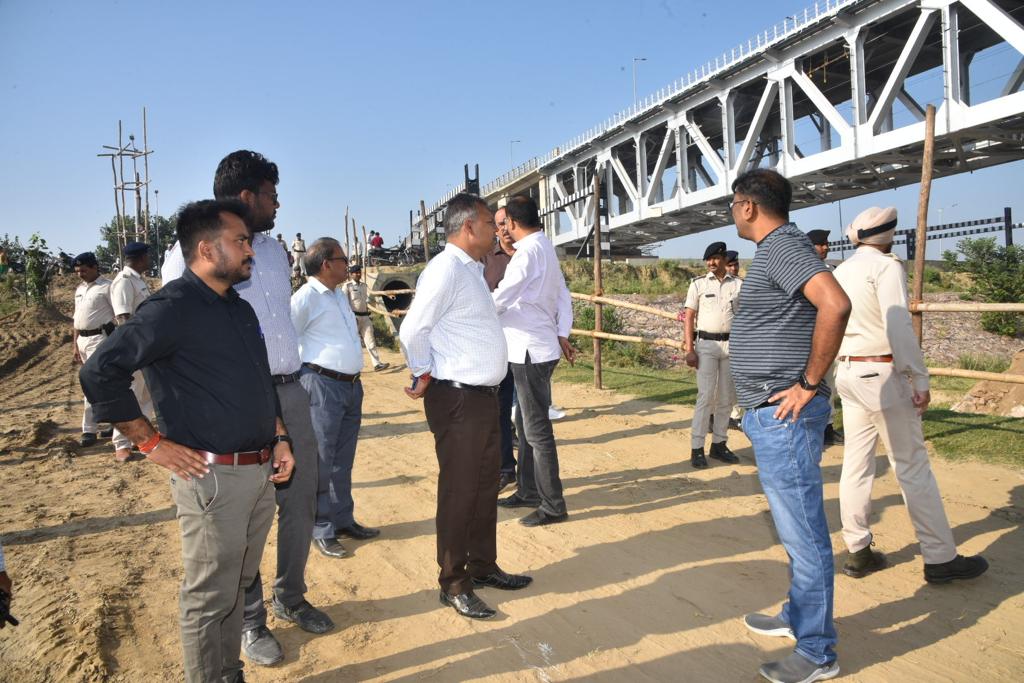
column 997, row 277
column 107, row 250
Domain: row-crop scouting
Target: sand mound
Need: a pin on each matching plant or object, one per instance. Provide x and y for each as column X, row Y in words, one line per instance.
column 997, row 398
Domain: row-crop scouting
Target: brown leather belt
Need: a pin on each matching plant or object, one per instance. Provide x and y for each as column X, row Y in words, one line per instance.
column 866, row 359
column 340, row 376
column 240, row 458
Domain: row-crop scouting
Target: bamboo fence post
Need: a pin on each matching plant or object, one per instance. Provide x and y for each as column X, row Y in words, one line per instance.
column 922, row 219
column 366, row 249
column 348, row 244
column 412, row 236
column 424, row 232
column 598, row 289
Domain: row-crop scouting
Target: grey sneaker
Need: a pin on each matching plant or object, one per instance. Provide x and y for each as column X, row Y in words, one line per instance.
column 764, row 625
column 796, row 669
column 261, row 647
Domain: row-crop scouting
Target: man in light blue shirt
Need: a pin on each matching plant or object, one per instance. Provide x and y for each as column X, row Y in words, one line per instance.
column 332, row 359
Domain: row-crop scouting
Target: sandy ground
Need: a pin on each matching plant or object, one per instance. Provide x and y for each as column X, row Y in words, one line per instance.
column 647, row 581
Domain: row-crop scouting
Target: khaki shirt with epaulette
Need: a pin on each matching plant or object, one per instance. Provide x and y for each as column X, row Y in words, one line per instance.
column 714, row 301
column 358, row 295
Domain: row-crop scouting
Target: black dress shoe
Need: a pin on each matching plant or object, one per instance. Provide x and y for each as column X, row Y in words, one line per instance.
column 261, row 647
column 719, row 451
column 468, row 605
column 697, row 458
column 514, row 501
column 958, row 568
column 506, row 582
column 330, row 547
column 540, row 518
column 106, row 433
column 358, row 531
column 505, row 479
column 88, row 439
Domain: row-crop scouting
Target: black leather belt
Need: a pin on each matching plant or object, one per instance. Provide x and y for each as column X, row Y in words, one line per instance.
column 358, row 313
column 285, row 379
column 103, row 329
column 340, row 376
column 713, row 336
column 492, row 391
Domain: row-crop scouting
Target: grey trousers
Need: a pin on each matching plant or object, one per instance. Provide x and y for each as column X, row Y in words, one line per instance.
column 296, row 509
column 337, row 411
column 537, row 478
column 224, row 519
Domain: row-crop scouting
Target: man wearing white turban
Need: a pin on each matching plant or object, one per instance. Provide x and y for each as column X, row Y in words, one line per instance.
column 883, row 383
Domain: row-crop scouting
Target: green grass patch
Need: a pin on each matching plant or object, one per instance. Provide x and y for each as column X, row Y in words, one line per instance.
column 667, row 276
column 954, row 436
column 983, row 362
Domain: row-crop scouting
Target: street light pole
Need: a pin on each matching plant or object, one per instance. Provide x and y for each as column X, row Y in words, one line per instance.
column 635, row 60
column 511, row 163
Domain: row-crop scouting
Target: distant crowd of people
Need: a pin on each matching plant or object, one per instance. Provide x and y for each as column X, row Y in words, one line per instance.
column 251, row 395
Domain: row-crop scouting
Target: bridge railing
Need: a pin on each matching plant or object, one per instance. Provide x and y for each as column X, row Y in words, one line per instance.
column 773, row 35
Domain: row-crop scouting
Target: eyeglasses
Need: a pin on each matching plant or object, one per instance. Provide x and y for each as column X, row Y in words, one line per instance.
column 740, row 201
column 272, row 195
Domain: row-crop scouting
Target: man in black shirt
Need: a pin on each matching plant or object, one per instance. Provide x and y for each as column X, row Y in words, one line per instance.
column 200, row 348
column 791, row 318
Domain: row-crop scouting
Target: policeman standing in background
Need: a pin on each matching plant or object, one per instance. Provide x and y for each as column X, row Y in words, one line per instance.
column 298, row 253
column 127, row 291
column 359, row 299
column 833, row 437
column 732, row 266
column 710, row 305
column 93, row 322
column 885, row 388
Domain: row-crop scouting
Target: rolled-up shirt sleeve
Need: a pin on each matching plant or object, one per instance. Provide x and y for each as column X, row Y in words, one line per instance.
column 564, row 320
column 106, row 377
column 434, row 294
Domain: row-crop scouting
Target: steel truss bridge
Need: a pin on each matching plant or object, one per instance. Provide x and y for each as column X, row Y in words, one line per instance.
column 833, row 99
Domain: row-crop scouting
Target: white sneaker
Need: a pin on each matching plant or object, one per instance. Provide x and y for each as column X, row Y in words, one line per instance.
column 555, row 414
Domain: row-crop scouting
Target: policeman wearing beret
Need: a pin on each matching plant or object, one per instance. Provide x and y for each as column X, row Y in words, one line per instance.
column 127, row 291
column 710, row 305
column 884, row 384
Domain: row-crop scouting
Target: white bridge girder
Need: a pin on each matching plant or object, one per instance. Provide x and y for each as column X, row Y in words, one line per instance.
column 666, row 169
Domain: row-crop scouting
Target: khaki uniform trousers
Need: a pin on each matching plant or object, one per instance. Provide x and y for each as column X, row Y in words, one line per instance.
column 715, row 392
column 86, row 347
column 877, row 404
column 365, row 326
column 224, row 519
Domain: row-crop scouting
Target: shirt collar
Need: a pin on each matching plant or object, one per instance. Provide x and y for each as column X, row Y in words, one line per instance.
column 318, row 286
column 260, row 237
column 711, row 276
column 209, row 296
column 459, row 253
column 131, row 272
column 533, row 236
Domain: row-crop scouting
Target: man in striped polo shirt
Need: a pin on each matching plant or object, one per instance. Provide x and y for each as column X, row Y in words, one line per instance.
column 791, row 318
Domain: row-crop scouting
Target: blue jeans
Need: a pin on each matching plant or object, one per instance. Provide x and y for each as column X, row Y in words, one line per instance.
column 789, row 465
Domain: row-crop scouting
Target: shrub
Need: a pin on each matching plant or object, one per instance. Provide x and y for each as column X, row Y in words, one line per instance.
column 983, row 363
column 997, row 277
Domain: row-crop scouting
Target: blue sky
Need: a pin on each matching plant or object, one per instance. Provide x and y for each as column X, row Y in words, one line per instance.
column 373, row 105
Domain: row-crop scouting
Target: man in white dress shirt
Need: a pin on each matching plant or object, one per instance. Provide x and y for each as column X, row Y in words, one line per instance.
column 536, row 314
column 331, row 362
column 455, row 348
column 127, row 291
column 93, row 322
column 252, row 179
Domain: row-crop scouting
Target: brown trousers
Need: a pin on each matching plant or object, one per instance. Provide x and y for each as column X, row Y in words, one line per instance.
column 467, row 439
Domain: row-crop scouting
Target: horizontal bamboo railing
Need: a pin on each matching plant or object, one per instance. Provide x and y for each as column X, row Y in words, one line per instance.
column 391, row 292
column 673, row 344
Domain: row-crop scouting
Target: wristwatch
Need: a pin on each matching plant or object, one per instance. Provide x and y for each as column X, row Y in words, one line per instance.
column 281, row 438
column 807, row 386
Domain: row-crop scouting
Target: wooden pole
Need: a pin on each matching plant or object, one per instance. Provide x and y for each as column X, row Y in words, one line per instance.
column 598, row 288
column 412, row 236
column 624, row 304
column 348, row 244
column 354, row 256
column 424, row 232
column 366, row 249
column 922, row 219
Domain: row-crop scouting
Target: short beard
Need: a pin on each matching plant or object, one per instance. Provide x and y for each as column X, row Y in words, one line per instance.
column 223, row 271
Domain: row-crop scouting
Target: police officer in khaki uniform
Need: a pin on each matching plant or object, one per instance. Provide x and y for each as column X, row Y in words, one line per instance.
column 127, row 291
column 710, row 305
column 833, row 437
column 732, row 266
column 359, row 299
column 883, row 382
column 93, row 322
